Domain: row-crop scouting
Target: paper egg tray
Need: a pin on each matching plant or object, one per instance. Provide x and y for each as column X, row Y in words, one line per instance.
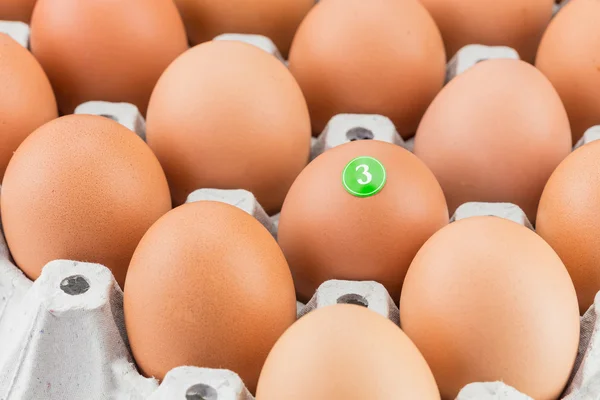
column 63, row 336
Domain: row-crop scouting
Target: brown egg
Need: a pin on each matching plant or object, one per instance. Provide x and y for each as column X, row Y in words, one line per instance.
column 569, row 55
column 345, row 352
column 495, row 133
column 487, row 300
column 371, row 57
column 328, row 233
column 276, row 19
column 108, row 50
column 514, row 23
column 228, row 115
column 207, row 286
column 569, row 221
column 27, row 101
column 16, row 10
column 81, row 188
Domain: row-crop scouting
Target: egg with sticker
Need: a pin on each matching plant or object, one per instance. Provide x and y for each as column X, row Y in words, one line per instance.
column 359, row 211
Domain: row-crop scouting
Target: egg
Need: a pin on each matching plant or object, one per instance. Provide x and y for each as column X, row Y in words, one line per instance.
column 276, row 19
column 487, row 300
column 207, row 286
column 368, row 57
column 16, row 10
column 81, row 188
column 345, row 352
column 359, row 211
column 228, row 115
column 568, row 219
column 513, row 23
column 105, row 50
column 27, row 100
column 495, row 134
column 569, row 56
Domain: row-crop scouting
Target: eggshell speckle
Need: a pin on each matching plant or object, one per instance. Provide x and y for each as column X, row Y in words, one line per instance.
column 327, row 233
column 227, row 115
column 569, row 55
column 108, row 50
column 81, row 188
column 495, row 133
column 487, row 300
column 514, row 23
column 276, row 19
column 26, row 102
column 345, row 352
column 569, row 221
column 371, row 57
column 207, row 286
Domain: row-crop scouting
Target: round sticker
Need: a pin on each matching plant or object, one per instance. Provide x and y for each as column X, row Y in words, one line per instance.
column 364, row 176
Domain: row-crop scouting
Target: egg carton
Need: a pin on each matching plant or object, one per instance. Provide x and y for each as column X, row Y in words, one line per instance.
column 63, row 336
column 49, row 312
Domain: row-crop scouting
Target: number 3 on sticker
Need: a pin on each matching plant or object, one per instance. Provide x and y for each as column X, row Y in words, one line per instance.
column 366, row 173
column 364, row 176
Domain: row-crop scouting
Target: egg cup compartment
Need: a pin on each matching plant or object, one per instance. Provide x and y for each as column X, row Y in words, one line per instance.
column 509, row 211
column 19, row 31
column 345, row 128
column 126, row 114
column 193, row 383
column 471, row 54
column 63, row 336
column 371, row 295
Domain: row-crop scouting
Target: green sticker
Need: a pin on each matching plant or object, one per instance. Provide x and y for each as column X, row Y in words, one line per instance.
column 364, row 176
